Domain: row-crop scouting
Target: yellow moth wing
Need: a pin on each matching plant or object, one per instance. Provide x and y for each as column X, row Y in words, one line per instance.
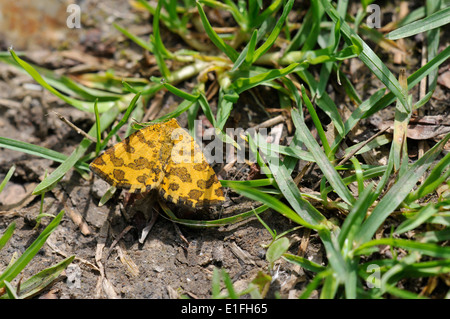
column 164, row 157
column 137, row 163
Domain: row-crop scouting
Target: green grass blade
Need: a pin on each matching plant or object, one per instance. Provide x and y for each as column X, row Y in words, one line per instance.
column 13, row 270
column 242, row 84
column 10, row 290
column 413, row 80
column 41, row 280
column 314, row 31
column 250, row 52
column 355, row 218
column 292, row 151
column 396, row 292
column 159, row 58
column 273, row 203
column 416, row 269
column 300, row 37
column 144, row 44
column 81, row 105
column 206, row 108
column 253, row 183
column 224, row 108
column 316, row 121
column 7, row 234
column 229, row 285
column 401, row 293
column 419, row 218
column 7, row 176
column 367, row 174
column 428, row 249
column 324, row 101
column 215, row 284
column 329, row 288
column 182, row 107
column 171, row 7
column 357, row 114
column 401, row 121
column 159, row 46
column 351, row 282
column 287, row 186
column 304, row 262
column 272, row 233
column 385, row 177
column 152, row 9
column 326, row 68
column 116, row 128
column 69, row 86
column 367, row 56
column 260, row 18
column 334, row 255
column 184, row 95
column 438, row 175
column 414, row 15
column 427, row 268
column 236, row 10
column 213, row 223
column 358, row 174
column 245, row 58
column 275, row 32
column 97, row 129
column 433, row 38
column 160, row 52
column 313, row 284
column 435, row 235
column 321, row 159
column 348, row 86
column 77, row 90
column 38, row 151
column 219, row 43
column 292, row 194
column 372, row 145
column 436, row 20
column 264, row 168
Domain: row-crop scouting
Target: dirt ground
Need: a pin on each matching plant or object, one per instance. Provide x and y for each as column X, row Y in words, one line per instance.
column 173, row 260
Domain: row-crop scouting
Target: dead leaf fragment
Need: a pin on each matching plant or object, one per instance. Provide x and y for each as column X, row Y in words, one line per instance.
column 242, row 254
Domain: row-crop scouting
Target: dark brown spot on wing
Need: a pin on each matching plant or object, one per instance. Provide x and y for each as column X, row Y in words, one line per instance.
column 142, row 139
column 98, row 162
column 201, row 166
column 139, row 164
column 117, row 162
column 142, row 179
column 201, row 183
column 182, row 173
column 195, row 194
column 119, row 175
column 219, row 192
column 174, row 186
column 127, row 146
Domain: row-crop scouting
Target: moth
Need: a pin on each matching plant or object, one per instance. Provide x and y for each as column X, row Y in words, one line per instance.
column 164, row 157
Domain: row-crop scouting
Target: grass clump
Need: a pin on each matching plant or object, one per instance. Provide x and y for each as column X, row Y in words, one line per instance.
column 38, row 282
